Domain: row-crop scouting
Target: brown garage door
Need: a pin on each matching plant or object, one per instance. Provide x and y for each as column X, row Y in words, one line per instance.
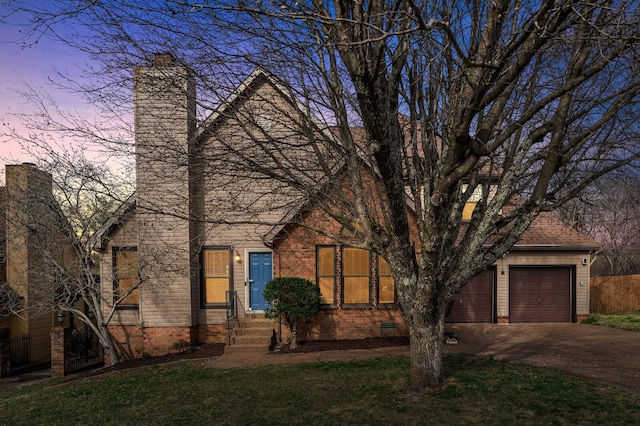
column 475, row 301
column 539, row 294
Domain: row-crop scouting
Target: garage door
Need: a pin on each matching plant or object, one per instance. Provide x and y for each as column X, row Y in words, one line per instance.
column 539, row 294
column 475, row 301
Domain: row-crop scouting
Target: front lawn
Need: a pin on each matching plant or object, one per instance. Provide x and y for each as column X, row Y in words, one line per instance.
column 626, row 321
column 479, row 391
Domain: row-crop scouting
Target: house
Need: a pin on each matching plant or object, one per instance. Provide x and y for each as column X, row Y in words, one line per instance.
column 199, row 237
column 26, row 286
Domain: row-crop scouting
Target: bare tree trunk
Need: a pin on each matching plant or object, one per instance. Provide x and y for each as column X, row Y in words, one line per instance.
column 294, row 336
column 108, row 344
column 426, row 356
column 114, row 357
column 102, row 331
column 424, row 315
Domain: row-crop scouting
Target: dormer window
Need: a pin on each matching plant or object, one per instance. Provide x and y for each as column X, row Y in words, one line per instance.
column 473, row 200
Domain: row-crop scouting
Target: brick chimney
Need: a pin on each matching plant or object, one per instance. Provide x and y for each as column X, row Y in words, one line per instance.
column 163, row 60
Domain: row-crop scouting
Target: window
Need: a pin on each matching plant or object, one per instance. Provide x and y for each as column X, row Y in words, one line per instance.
column 477, row 196
column 216, row 267
column 125, row 275
column 473, row 200
column 354, row 266
column 386, row 289
column 356, row 275
column 326, row 273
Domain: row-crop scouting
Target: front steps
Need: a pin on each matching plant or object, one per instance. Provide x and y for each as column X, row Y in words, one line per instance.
column 252, row 334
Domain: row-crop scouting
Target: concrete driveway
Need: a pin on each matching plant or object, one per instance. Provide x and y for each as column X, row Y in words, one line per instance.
column 605, row 354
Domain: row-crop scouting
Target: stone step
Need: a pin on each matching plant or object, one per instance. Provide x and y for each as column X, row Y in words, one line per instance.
column 252, row 335
column 243, row 349
column 250, row 340
column 238, row 331
column 251, row 315
column 255, row 323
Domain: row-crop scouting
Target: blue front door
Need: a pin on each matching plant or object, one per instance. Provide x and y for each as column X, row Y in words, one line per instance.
column 260, row 272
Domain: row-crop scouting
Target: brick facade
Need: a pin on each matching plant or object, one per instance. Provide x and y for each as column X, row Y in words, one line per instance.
column 341, row 324
column 137, row 342
column 212, row 333
column 295, row 256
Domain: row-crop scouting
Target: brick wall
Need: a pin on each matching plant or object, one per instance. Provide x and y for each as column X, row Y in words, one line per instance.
column 129, row 341
column 160, row 340
column 137, row 342
column 212, row 333
column 295, row 256
column 354, row 324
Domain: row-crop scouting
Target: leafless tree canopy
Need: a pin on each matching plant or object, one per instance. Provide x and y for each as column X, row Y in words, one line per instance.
column 530, row 100
column 608, row 211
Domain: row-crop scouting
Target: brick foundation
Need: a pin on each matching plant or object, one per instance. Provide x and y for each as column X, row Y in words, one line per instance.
column 580, row 318
column 344, row 324
column 135, row 342
column 503, row 320
column 213, row 333
column 128, row 340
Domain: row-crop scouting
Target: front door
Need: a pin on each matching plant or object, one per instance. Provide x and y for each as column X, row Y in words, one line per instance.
column 260, row 272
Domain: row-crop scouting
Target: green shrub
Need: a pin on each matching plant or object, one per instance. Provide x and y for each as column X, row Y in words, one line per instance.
column 292, row 301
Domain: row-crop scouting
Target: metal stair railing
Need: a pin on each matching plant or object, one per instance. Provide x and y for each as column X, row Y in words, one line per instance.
column 232, row 303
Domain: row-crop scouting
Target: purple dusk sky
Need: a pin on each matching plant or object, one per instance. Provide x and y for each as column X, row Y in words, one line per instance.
column 22, row 66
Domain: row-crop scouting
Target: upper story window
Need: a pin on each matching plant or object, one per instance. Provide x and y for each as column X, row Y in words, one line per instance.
column 216, row 275
column 126, row 278
column 473, row 200
column 476, row 197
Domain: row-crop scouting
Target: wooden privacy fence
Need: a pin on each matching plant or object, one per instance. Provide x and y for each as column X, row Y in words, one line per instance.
column 614, row 294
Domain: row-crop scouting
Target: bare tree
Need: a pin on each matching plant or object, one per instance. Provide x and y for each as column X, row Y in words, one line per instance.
column 608, row 212
column 530, row 101
column 49, row 224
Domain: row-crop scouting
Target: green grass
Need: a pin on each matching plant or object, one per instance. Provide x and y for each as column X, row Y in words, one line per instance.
column 478, row 391
column 626, row 321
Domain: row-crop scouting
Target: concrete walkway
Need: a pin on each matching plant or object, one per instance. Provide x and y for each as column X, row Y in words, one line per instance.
column 25, row 379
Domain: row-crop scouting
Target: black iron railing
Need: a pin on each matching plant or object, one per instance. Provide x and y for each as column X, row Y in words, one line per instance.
column 19, row 351
column 232, row 304
column 85, row 349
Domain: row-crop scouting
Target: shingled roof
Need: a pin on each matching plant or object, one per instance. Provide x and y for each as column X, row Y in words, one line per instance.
column 549, row 232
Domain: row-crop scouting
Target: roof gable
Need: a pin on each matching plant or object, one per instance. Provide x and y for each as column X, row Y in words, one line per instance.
column 99, row 239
